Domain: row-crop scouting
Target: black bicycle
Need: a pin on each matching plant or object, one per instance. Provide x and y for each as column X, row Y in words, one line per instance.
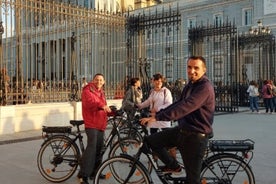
column 60, row 153
column 226, row 162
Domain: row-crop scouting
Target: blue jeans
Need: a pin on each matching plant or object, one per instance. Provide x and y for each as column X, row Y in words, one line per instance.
column 192, row 147
column 91, row 158
column 253, row 100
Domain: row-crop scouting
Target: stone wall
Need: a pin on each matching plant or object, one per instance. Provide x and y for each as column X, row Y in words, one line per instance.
column 16, row 118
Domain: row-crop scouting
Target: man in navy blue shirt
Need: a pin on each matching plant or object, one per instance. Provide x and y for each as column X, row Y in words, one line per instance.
column 194, row 112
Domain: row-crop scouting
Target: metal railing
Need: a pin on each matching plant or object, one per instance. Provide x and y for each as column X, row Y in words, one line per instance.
column 47, row 48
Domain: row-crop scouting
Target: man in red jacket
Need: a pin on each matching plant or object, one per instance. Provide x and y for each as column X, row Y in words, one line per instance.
column 94, row 113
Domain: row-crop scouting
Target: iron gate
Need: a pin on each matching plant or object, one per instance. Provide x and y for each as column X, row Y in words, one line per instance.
column 154, row 44
column 229, row 54
column 47, row 48
column 53, row 46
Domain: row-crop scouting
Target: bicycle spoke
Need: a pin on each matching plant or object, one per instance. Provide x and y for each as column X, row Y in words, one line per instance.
column 227, row 169
column 58, row 159
column 121, row 170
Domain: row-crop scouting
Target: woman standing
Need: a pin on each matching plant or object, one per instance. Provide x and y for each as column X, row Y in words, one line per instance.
column 160, row 98
column 253, row 96
column 273, row 94
column 132, row 97
column 267, row 96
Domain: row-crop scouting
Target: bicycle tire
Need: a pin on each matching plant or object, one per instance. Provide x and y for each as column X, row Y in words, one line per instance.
column 131, row 133
column 226, row 168
column 125, row 133
column 129, row 147
column 117, row 169
column 56, row 160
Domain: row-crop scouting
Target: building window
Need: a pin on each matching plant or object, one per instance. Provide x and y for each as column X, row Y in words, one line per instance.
column 248, row 60
column 86, row 3
column 217, row 46
column 247, row 17
column 218, row 69
column 218, row 19
column 168, row 50
column 149, row 35
column 191, row 23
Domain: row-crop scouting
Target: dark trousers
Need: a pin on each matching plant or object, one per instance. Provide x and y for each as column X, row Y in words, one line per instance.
column 192, row 147
column 268, row 102
column 155, row 130
column 274, row 103
column 91, row 158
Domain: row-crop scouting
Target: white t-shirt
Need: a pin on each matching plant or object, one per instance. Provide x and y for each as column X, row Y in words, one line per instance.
column 253, row 91
column 158, row 100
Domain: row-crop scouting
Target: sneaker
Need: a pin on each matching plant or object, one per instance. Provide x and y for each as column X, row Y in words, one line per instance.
column 83, row 180
column 167, row 170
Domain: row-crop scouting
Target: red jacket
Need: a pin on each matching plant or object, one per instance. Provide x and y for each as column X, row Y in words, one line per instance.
column 92, row 102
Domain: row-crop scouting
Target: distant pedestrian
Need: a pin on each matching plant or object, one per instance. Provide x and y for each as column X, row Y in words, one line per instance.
column 253, row 91
column 84, row 82
column 267, row 96
column 273, row 94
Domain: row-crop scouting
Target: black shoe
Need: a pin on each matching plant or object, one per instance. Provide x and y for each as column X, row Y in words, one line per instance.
column 83, row 180
column 79, row 175
column 102, row 176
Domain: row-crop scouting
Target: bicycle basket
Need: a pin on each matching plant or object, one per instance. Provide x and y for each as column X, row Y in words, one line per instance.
column 231, row 145
column 56, row 129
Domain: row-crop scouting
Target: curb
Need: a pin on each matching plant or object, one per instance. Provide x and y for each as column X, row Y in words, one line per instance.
column 11, row 141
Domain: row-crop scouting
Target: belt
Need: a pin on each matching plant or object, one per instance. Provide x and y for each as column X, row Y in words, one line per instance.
column 187, row 132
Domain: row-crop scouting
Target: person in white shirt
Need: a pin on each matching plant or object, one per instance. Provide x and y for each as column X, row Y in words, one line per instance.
column 160, row 97
column 253, row 91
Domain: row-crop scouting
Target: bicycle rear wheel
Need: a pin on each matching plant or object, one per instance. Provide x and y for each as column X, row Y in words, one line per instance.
column 57, row 159
column 226, row 168
column 117, row 169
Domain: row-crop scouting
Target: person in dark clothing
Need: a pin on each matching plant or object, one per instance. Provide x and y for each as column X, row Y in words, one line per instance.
column 132, row 97
column 194, row 112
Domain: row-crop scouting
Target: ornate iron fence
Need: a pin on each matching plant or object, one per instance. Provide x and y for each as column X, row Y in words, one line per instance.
column 155, row 43
column 48, row 47
column 233, row 60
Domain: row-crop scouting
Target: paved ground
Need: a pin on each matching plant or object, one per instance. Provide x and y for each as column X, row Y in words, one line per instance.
column 19, row 151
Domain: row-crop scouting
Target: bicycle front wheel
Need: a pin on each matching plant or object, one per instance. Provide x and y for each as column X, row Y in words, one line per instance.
column 226, row 168
column 57, row 158
column 121, row 169
column 129, row 147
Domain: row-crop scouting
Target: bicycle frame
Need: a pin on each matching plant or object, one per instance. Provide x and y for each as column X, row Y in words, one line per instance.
column 220, row 150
